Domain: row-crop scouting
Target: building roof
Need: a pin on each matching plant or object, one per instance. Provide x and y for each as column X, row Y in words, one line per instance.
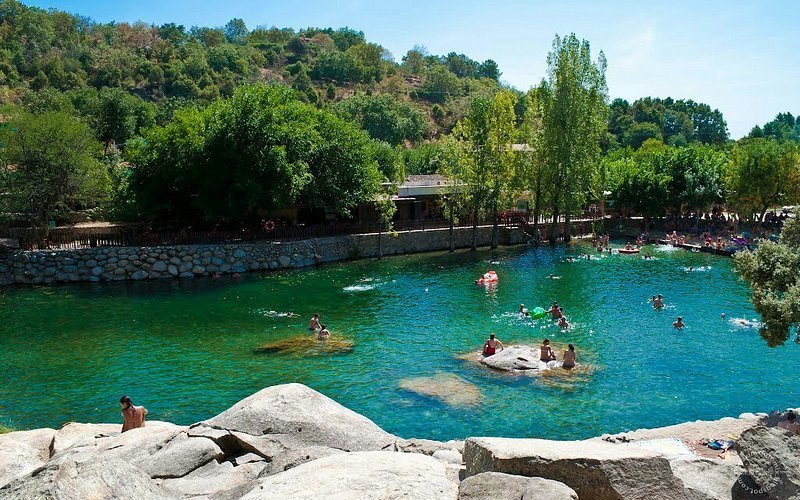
column 427, row 180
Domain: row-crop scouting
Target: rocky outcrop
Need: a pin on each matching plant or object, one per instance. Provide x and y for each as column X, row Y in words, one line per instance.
column 446, row 387
column 772, row 458
column 499, row 486
column 291, row 442
column 298, row 411
column 363, row 475
column 23, row 452
column 595, row 470
column 518, row 358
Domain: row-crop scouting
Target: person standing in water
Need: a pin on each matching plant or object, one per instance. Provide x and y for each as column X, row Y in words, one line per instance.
column 132, row 416
column 546, row 352
column 323, row 334
column 562, row 322
column 314, row 325
column 569, row 358
column 658, row 301
column 490, row 346
column 679, row 323
column 554, row 311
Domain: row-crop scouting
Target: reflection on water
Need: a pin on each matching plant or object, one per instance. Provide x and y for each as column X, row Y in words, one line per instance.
column 187, row 349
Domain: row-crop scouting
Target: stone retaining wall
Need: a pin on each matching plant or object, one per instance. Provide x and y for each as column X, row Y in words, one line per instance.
column 187, row 261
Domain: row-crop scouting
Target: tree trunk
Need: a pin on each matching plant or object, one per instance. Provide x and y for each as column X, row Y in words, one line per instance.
column 537, row 209
column 567, row 228
column 380, row 244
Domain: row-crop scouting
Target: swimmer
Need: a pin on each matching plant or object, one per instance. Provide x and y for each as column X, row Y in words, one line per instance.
column 628, row 246
column 313, row 325
column 554, row 277
column 658, row 302
column 323, row 334
column 523, row 311
column 236, row 276
column 490, row 346
column 216, row 276
column 678, row 323
column 588, row 256
column 569, row 358
column 722, row 315
column 554, row 311
column 546, row 352
column 562, row 322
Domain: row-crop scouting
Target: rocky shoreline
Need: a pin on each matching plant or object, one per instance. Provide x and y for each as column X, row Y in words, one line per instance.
column 289, row 441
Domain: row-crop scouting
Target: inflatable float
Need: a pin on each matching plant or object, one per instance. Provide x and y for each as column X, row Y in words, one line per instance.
column 538, row 313
column 489, row 277
column 628, row 250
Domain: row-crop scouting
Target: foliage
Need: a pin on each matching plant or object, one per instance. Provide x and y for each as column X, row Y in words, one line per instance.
column 264, row 147
column 763, row 173
column 784, row 127
column 385, row 117
column 50, row 166
column 773, row 273
column 676, row 122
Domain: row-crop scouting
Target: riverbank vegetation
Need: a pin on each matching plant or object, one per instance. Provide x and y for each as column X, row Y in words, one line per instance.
column 224, row 126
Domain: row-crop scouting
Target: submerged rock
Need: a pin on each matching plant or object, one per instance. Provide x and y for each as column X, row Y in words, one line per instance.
column 447, row 387
column 307, row 345
column 362, row 475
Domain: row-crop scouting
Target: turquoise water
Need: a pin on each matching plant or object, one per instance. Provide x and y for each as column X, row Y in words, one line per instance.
column 185, row 348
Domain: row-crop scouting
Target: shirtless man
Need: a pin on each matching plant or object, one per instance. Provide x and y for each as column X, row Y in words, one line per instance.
column 490, row 346
column 678, row 323
column 323, row 334
column 554, row 311
column 314, row 325
column 790, row 424
column 132, row 416
column 546, row 352
column 569, row 358
column 562, row 322
column 658, row 302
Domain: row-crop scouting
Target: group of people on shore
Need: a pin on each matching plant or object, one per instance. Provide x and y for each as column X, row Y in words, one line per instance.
column 546, row 353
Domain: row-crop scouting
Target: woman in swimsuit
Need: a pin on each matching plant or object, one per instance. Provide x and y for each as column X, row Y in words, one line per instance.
column 546, row 352
column 490, row 346
column 569, row 358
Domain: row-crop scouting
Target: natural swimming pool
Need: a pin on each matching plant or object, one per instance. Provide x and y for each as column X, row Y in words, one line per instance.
column 185, row 349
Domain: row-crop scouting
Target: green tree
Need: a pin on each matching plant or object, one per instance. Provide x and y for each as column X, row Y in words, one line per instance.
column 763, row 173
column 385, row 117
column 533, row 169
column 439, row 84
column 575, row 119
column 53, row 166
column 236, row 31
column 773, row 273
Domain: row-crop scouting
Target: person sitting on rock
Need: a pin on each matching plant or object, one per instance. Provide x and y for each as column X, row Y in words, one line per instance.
column 314, row 325
column 546, row 352
column 490, row 346
column 569, row 358
column 323, row 334
column 132, row 416
column 790, row 424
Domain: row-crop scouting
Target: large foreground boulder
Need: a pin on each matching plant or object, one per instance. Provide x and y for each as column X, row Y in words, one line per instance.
column 499, row 486
column 297, row 410
column 772, row 457
column 595, row 470
column 23, row 451
column 97, row 478
column 362, row 475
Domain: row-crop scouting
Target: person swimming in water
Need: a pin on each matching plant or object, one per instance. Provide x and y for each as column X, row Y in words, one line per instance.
column 523, row 311
column 554, row 311
column 490, row 346
column 679, row 323
column 323, row 334
column 546, row 353
column 569, row 358
column 562, row 322
column 658, row 302
column 314, row 325
column 554, row 277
